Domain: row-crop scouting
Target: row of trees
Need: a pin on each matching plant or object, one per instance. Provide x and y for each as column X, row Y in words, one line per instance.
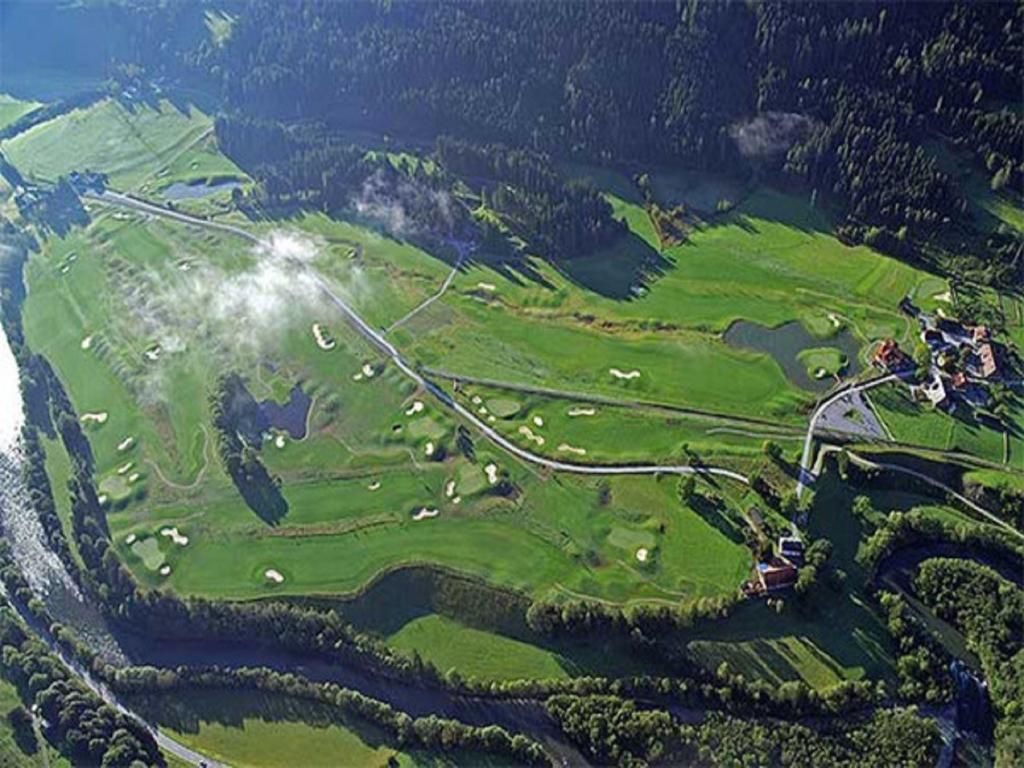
column 236, row 414
column 81, row 725
column 427, row 732
column 615, row 731
column 989, row 611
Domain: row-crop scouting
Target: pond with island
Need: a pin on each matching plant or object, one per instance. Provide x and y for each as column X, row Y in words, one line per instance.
column 809, row 362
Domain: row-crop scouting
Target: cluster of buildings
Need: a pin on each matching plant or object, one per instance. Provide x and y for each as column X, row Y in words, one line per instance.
column 780, row 570
column 963, row 360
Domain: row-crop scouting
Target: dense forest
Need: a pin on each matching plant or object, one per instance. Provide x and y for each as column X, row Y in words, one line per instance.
column 857, row 101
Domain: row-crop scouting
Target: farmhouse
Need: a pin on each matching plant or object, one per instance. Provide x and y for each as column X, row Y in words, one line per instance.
column 889, row 355
column 776, row 574
column 988, row 366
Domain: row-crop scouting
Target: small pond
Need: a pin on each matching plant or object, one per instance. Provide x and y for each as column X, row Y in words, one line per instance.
column 181, row 190
column 289, row 416
column 787, row 341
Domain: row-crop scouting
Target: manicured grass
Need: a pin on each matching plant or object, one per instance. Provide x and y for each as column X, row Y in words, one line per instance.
column 828, row 361
column 483, row 655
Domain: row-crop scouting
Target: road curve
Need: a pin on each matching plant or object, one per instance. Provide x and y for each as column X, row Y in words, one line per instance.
column 804, row 475
column 385, row 347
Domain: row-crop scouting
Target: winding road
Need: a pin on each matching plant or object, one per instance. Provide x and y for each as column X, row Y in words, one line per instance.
column 386, row 348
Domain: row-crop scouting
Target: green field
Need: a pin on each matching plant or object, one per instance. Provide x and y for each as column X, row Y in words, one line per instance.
column 483, row 655
column 138, row 145
column 11, row 109
column 250, row 729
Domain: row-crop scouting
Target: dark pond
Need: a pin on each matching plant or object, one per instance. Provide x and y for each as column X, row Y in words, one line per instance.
column 786, row 342
column 289, row 416
column 181, row 190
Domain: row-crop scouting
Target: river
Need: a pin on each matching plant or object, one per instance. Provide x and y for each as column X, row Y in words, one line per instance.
column 73, row 607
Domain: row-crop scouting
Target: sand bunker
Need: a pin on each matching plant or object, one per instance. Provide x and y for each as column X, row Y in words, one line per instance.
column 482, row 410
column 375, row 485
column 538, row 421
column 134, row 477
column 491, row 419
column 125, row 444
column 323, row 341
column 566, row 448
column 413, row 409
column 574, row 412
column 425, row 514
column 368, row 371
column 834, row 319
column 87, row 342
column 125, row 468
column 457, row 500
column 946, row 297
column 153, row 353
column 165, row 570
column 529, row 435
column 173, row 535
column 820, row 373
column 102, row 498
column 641, row 555
column 357, row 377
column 273, row 575
column 491, row 470
column 449, row 489
column 477, row 400
column 429, row 449
column 94, row 418
column 130, row 539
column 279, row 441
column 633, row 374
column 487, row 286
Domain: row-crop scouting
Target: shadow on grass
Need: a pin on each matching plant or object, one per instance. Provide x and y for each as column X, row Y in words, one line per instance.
column 622, row 271
column 715, row 513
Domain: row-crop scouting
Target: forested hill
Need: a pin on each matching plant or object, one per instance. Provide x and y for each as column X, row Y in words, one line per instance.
column 863, row 89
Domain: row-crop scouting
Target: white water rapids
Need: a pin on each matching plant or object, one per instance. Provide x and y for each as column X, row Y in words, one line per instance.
column 40, row 565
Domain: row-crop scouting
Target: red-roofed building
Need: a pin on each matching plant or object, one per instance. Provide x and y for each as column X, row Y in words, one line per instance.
column 889, row 355
column 776, row 574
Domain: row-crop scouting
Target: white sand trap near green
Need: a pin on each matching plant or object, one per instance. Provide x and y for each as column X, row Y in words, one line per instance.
column 165, row 570
column 620, row 374
column 279, row 441
column 491, row 419
column 374, row 486
column 834, row 319
column 529, row 435
column 491, row 470
column 489, row 287
column 482, row 410
column 153, row 353
column 641, row 554
column 476, row 399
column 449, row 489
column 273, row 575
column 125, row 444
column 87, row 343
column 566, row 448
column 415, row 408
column 425, row 514
column 130, row 539
column 323, row 340
column 368, row 371
column 574, row 412
column 124, row 469
column 134, row 477
column 175, row 536
column 428, row 449
column 102, row 498
column 946, row 296
column 538, row 421
column 99, row 417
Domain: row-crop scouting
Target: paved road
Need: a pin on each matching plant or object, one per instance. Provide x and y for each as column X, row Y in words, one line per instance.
column 385, row 347
column 806, row 477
